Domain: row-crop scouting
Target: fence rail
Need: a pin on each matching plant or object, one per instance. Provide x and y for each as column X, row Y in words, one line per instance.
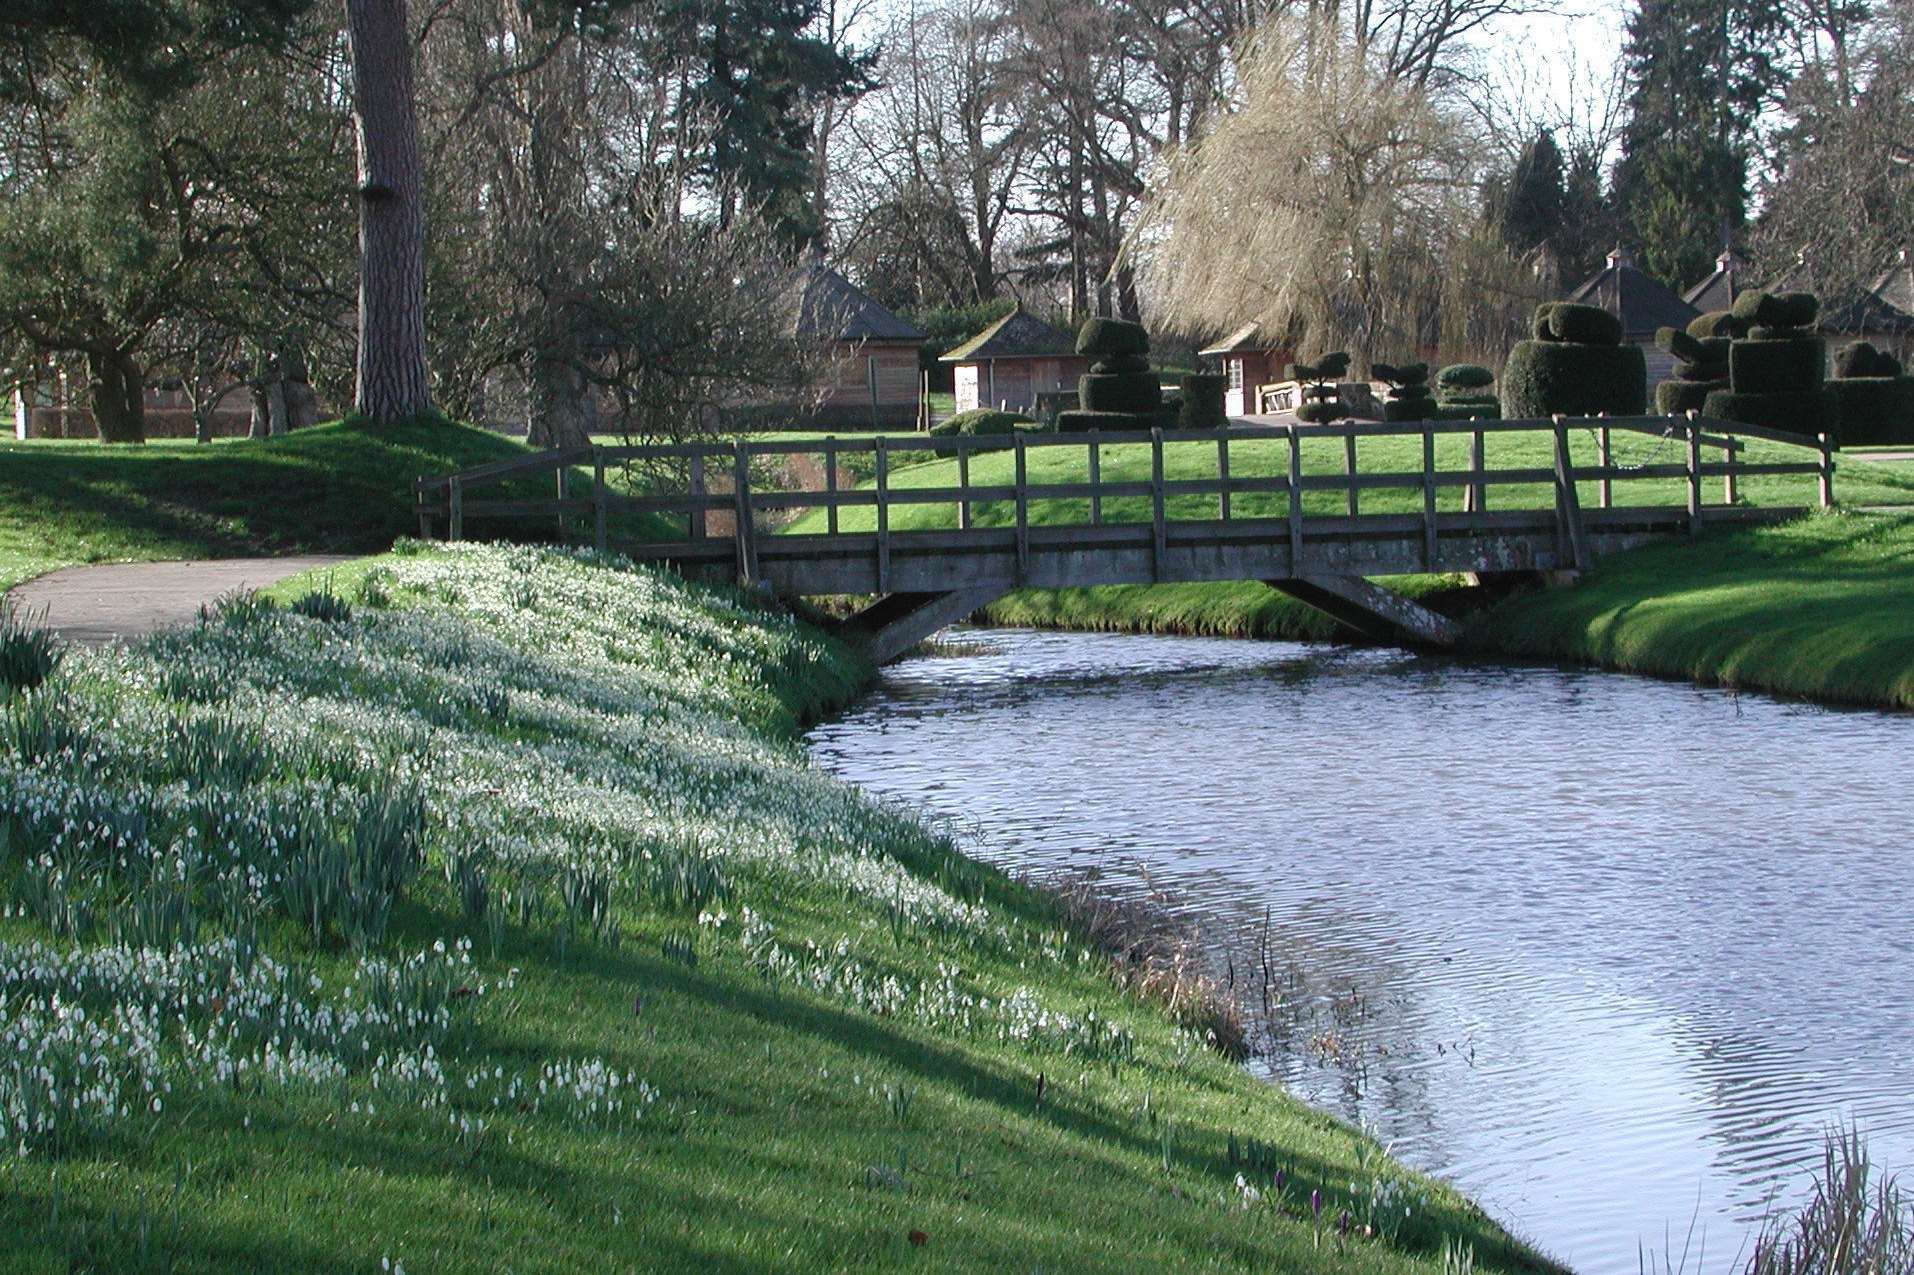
column 447, row 498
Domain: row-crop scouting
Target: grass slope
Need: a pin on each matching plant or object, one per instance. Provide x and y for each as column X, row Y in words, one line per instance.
column 1820, row 607
column 254, row 852
column 335, row 488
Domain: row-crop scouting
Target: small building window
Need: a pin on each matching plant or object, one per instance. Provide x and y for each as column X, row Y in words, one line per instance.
column 1235, row 373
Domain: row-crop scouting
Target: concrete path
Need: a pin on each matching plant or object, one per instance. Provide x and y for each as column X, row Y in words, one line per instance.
column 120, row 600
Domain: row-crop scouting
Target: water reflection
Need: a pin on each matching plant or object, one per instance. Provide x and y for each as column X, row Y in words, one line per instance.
column 1609, row 953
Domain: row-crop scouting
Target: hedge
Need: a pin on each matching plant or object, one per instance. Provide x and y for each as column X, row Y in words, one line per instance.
column 1576, row 324
column 1082, row 422
column 1874, row 409
column 1455, row 381
column 1119, row 392
column 1779, row 365
column 1202, row 405
column 1112, row 336
column 1543, row 378
column 1808, row 412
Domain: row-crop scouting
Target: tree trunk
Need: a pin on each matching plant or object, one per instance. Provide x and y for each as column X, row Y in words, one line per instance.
column 119, row 397
column 393, row 383
column 557, row 407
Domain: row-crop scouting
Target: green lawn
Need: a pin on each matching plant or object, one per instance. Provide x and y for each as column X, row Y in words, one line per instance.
column 1820, row 607
column 838, row 1045
column 335, row 488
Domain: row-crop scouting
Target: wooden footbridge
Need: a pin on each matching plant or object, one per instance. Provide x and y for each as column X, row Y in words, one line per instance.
column 714, row 511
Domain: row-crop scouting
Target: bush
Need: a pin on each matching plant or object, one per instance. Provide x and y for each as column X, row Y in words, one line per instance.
column 1119, row 392
column 1717, row 323
column 1121, row 365
column 1777, row 313
column 1456, row 382
column 983, row 422
column 1680, row 396
column 1409, row 398
column 1484, row 407
column 1576, row 324
column 1861, row 359
column 1321, row 411
column 1543, row 378
column 1079, row 422
column 1874, row 409
column 1112, row 336
column 1807, row 412
column 1330, row 367
column 1780, row 365
column 1202, row 405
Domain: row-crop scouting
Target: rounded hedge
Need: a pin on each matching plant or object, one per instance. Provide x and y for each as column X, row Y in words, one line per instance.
column 1676, row 397
column 1781, row 366
column 1112, row 336
column 1577, row 324
column 1457, row 378
column 1543, row 378
column 1875, row 409
column 1410, row 409
column 1082, row 422
column 1475, row 408
column 1121, row 365
column 1202, row 405
column 1808, row 412
column 1717, row 323
column 983, row 420
column 1119, row 392
column 1777, row 311
column 1321, row 411
column 1861, row 359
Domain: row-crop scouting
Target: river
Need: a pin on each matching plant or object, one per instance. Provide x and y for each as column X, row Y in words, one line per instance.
column 1610, row 954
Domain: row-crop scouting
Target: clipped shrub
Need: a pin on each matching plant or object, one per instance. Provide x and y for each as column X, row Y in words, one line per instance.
column 1409, row 398
column 1717, row 323
column 1202, row 402
column 1119, row 381
column 1777, row 365
column 1861, row 359
column 1771, row 315
column 1775, row 372
column 1080, row 421
column 1810, row 412
column 1120, row 365
column 1099, row 337
column 983, row 422
column 1459, row 380
column 1703, row 369
column 1576, row 324
column 1574, row 377
column 1876, row 401
column 1321, row 401
column 1119, row 392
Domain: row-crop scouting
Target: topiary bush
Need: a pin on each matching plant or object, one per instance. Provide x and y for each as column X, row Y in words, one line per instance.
column 1321, row 400
column 1875, row 399
column 1081, row 421
column 1119, row 379
column 1202, row 403
column 1464, row 393
column 1409, row 398
column 1098, row 337
column 984, row 422
column 1701, row 370
column 1776, row 371
column 1574, row 365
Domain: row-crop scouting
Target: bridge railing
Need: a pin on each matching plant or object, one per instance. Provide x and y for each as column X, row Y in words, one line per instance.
column 721, row 497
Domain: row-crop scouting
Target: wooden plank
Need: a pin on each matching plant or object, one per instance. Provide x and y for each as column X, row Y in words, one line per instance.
column 564, row 490
column 1222, row 474
column 425, row 517
column 1428, row 497
column 455, row 529
column 883, row 517
column 1605, row 445
column 1568, row 503
column 1694, row 478
column 1295, row 502
column 1478, row 453
column 1096, row 482
column 695, row 514
column 1827, row 471
column 963, row 488
column 830, row 482
column 1159, row 532
column 741, row 499
column 600, row 537
column 1349, row 471
column 1023, row 513
column 1728, row 479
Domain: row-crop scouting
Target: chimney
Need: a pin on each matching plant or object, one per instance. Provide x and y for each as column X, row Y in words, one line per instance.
column 1619, row 256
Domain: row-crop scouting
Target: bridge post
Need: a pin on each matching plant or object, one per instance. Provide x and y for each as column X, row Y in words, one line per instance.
column 1827, row 471
column 741, row 499
column 1694, row 476
column 1159, row 529
column 1568, row 503
column 1371, row 610
column 1295, row 503
column 883, row 517
column 894, row 624
column 1428, row 498
column 1349, row 469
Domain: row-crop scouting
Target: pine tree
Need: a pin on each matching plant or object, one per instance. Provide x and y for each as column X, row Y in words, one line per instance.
column 1532, row 209
column 1700, row 73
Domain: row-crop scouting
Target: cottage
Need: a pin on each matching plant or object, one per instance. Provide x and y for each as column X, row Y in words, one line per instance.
column 1643, row 305
column 1719, row 290
column 1250, row 362
column 1882, row 315
column 1014, row 360
column 875, row 352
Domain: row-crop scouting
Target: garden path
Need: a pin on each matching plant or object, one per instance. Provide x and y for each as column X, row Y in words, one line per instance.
column 96, row 604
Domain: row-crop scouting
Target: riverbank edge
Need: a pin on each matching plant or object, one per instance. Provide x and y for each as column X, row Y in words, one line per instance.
column 1809, row 610
column 1129, row 967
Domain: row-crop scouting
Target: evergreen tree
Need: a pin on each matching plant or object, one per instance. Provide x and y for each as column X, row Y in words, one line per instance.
column 1532, row 208
column 1700, row 73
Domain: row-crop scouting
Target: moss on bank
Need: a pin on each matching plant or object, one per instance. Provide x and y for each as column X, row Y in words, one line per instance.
column 717, row 1011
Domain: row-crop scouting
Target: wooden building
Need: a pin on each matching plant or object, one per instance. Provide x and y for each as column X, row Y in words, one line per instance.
column 1881, row 314
column 1014, row 360
column 876, row 352
column 1642, row 304
column 1250, row 362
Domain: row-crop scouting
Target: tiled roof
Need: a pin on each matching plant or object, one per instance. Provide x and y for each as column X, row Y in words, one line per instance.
column 1642, row 304
column 832, row 308
column 1019, row 334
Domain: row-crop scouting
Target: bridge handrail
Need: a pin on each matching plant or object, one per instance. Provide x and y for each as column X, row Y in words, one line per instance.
column 445, row 495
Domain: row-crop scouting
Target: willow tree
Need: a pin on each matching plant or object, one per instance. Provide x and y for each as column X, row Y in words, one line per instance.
column 1328, row 207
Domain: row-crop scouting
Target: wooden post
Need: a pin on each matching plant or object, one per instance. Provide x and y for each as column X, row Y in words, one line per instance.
column 600, row 534
column 741, row 499
column 425, row 519
column 1728, row 493
column 1478, row 461
column 1096, row 482
column 1349, row 468
column 1605, row 494
column 830, row 483
column 1222, row 475
column 1295, row 503
column 1428, row 498
column 1694, row 477
column 1160, row 532
column 963, row 486
column 1023, row 511
column 883, row 517
column 1568, row 504
column 1827, row 471
column 455, row 527
column 698, row 510
column 564, row 490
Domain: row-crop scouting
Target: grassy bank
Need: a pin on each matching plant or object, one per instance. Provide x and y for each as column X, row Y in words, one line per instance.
column 336, row 488
column 499, row 923
column 1822, row 607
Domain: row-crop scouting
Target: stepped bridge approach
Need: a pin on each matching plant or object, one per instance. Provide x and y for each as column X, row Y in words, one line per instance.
column 793, row 517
